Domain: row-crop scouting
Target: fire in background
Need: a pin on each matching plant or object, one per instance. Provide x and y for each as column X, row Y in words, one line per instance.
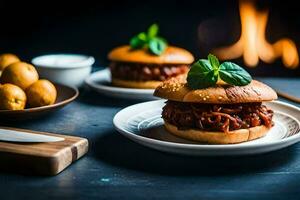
column 253, row 45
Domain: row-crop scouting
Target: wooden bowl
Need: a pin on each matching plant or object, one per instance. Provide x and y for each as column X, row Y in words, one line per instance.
column 65, row 95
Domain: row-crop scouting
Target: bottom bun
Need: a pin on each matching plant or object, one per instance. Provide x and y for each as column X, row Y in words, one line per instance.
column 136, row 84
column 232, row 137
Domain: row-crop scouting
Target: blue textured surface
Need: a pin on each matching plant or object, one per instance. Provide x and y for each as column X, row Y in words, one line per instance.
column 118, row 168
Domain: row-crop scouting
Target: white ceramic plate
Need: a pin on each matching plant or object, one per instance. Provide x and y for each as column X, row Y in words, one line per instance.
column 142, row 123
column 101, row 82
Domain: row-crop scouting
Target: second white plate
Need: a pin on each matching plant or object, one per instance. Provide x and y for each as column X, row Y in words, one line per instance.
column 142, row 123
column 101, row 82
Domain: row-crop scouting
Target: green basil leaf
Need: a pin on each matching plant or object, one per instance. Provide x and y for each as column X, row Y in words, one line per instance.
column 233, row 74
column 138, row 41
column 149, row 40
column 157, row 46
column 201, row 75
column 214, row 62
column 152, row 31
column 163, row 39
column 142, row 36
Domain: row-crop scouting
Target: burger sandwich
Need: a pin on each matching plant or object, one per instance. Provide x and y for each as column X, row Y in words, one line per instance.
column 216, row 103
column 147, row 61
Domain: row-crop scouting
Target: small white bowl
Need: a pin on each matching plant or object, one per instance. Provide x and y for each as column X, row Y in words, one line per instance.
column 66, row 69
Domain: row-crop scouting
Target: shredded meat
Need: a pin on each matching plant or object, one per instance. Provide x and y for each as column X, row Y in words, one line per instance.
column 146, row 72
column 219, row 117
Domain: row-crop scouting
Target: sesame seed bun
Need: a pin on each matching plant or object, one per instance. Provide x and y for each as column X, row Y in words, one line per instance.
column 232, row 137
column 135, row 84
column 172, row 55
column 176, row 89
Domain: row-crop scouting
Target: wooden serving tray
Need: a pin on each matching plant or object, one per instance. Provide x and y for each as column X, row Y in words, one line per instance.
column 42, row 158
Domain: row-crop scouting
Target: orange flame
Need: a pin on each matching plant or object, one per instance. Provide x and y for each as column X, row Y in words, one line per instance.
column 253, row 45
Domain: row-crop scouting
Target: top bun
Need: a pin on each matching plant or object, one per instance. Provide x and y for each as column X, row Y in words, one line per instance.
column 176, row 89
column 172, row 55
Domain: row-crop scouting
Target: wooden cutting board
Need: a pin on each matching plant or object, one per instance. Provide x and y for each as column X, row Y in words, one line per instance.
column 42, row 158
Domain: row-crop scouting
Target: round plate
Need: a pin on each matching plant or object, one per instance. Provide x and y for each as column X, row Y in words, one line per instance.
column 143, row 124
column 101, row 82
column 65, row 95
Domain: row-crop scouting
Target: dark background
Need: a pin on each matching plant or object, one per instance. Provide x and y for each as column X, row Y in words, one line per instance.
column 30, row 28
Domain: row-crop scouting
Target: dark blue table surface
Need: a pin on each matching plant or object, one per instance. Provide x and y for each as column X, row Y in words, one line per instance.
column 116, row 167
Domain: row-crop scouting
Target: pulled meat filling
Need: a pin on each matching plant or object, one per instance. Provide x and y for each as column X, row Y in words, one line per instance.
column 146, row 72
column 217, row 117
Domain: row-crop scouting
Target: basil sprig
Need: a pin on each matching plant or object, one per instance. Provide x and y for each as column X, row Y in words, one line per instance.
column 206, row 72
column 150, row 40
